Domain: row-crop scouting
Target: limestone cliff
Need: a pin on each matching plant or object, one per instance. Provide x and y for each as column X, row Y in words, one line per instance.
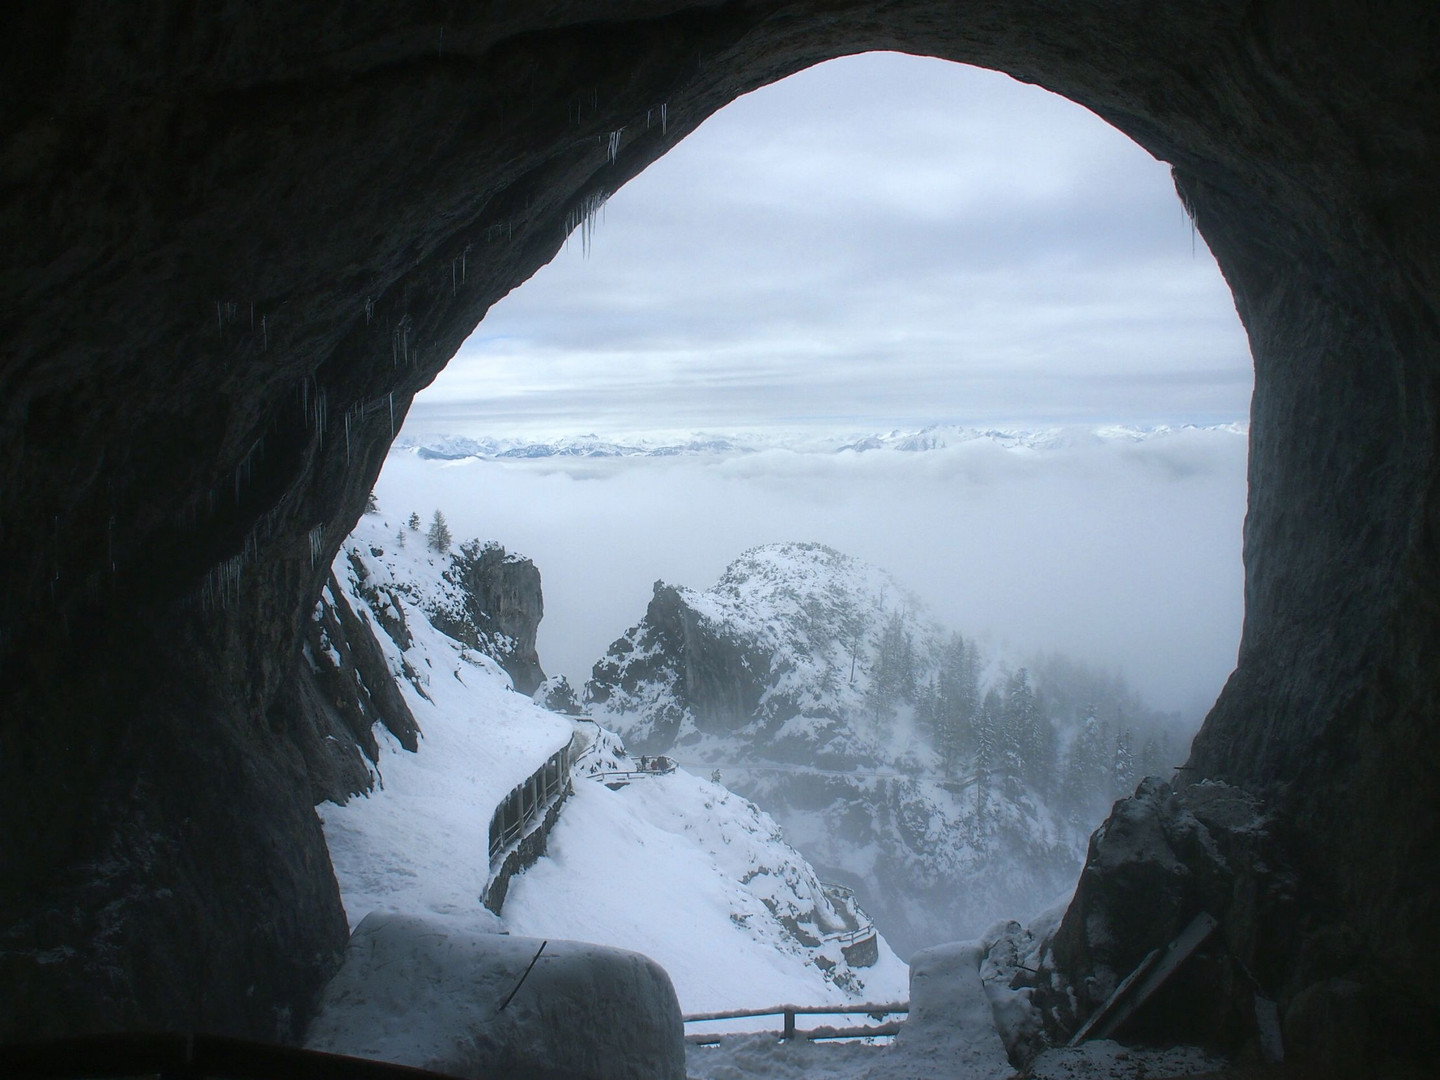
column 499, row 610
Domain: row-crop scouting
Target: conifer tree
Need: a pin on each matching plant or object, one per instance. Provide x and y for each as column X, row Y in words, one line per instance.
column 987, row 750
column 414, row 521
column 1085, row 789
column 400, row 538
column 438, row 539
column 955, row 703
column 1123, row 766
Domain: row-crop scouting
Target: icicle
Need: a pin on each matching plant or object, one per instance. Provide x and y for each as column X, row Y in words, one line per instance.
column 264, row 335
column 317, row 544
column 369, row 309
column 584, row 218
column 347, row 436
column 392, row 414
column 664, row 109
column 614, row 148
column 453, row 282
column 219, row 317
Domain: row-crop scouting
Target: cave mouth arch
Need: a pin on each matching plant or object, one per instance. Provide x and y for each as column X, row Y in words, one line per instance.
column 232, row 247
column 775, row 271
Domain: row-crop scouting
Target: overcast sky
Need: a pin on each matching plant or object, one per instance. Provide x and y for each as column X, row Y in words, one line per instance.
column 877, row 241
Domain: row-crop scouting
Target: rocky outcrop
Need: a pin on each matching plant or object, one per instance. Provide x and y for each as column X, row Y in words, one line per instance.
column 499, row 611
column 343, row 690
column 237, row 240
column 677, row 664
column 777, row 675
column 1162, row 858
column 557, row 695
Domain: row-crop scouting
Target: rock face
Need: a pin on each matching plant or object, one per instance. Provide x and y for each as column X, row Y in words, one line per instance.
column 790, row 675
column 341, row 692
column 1162, row 858
column 238, row 240
column 713, row 678
column 500, row 610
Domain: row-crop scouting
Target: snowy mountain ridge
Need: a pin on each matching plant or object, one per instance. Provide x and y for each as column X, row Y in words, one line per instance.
column 902, row 440
column 901, row 759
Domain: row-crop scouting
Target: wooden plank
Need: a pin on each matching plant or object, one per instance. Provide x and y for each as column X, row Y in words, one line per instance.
column 1146, row 979
column 1099, row 1014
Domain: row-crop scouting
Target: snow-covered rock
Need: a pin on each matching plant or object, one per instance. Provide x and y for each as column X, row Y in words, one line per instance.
column 951, row 1029
column 417, row 992
column 797, row 676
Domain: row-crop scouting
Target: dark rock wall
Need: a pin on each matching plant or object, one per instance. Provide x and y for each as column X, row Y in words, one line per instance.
column 339, row 693
column 714, row 678
column 237, row 240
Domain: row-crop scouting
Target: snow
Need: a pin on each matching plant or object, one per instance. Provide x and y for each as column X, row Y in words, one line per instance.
column 420, row 993
column 1103, row 1059
column 909, row 441
column 419, row 844
column 672, row 866
column 695, row 876
column 689, row 893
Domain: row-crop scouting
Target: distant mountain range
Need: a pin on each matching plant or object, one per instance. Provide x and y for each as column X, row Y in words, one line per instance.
column 937, row 437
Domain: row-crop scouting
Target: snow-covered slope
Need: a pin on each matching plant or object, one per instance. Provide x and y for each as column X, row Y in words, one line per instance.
column 671, row 865
column 802, row 675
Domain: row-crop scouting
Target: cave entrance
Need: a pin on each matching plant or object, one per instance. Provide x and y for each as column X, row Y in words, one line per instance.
column 902, row 253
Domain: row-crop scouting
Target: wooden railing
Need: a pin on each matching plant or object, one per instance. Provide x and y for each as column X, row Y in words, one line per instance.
column 788, row 1013
column 660, row 766
column 850, row 937
column 527, row 802
column 846, row 895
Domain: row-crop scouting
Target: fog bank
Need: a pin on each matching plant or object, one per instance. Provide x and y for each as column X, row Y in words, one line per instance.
column 1123, row 554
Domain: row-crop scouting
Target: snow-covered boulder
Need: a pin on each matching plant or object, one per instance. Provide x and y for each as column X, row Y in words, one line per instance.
column 951, row 1027
column 420, row 993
